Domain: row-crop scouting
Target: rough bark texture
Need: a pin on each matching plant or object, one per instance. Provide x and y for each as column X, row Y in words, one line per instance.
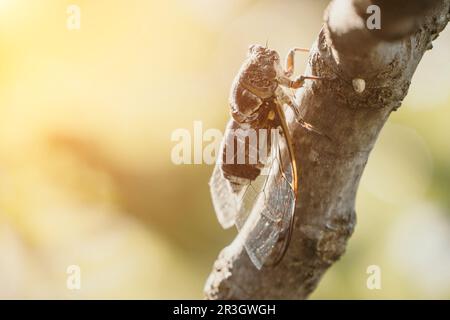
column 330, row 170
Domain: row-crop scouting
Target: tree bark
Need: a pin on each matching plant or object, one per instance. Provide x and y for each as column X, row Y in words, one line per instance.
column 351, row 112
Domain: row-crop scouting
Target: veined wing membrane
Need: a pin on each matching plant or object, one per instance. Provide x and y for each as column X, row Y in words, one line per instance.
column 225, row 199
column 262, row 209
column 227, row 192
column 267, row 208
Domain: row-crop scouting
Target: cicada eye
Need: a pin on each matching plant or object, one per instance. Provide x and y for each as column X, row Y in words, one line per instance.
column 274, row 58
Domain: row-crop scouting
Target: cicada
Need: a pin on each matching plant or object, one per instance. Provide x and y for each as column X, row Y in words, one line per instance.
column 254, row 184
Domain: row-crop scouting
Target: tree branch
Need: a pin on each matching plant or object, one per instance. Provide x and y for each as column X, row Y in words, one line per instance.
column 350, row 111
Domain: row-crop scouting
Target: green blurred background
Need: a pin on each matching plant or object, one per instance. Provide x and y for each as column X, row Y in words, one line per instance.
column 86, row 178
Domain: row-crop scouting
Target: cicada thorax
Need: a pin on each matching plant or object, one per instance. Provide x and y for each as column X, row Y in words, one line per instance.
column 252, row 86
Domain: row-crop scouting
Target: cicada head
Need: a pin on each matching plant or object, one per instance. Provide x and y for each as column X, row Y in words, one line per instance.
column 267, row 60
column 262, row 70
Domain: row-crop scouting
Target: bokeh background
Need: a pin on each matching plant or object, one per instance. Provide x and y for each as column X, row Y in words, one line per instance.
column 86, row 177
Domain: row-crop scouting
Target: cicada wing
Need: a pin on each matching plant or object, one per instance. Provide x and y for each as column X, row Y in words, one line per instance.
column 224, row 200
column 226, row 194
column 267, row 210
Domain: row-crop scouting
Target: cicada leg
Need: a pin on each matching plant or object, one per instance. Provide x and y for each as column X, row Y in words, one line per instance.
column 286, row 99
column 290, row 61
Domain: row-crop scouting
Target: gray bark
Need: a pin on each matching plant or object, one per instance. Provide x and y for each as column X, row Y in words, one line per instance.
column 330, row 170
